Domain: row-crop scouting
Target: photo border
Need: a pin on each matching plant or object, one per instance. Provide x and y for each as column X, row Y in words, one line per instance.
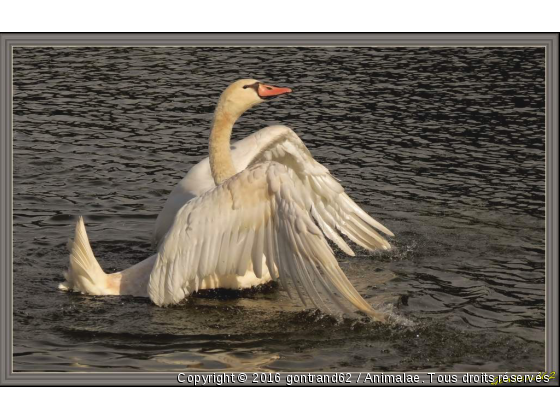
column 10, row 40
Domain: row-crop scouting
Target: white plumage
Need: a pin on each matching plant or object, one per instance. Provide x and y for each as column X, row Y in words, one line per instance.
column 261, row 210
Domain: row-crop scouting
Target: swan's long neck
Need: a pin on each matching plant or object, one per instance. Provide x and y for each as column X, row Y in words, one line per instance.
column 221, row 163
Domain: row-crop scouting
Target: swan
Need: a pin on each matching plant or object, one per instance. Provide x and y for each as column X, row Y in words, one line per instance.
column 261, row 210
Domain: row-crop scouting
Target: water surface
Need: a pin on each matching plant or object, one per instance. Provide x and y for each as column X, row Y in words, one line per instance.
column 444, row 146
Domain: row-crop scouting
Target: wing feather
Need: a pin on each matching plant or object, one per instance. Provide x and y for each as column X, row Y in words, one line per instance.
column 269, row 249
column 324, row 197
column 257, row 252
column 260, row 212
column 245, row 258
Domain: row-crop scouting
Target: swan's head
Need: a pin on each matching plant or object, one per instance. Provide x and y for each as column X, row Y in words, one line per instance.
column 246, row 93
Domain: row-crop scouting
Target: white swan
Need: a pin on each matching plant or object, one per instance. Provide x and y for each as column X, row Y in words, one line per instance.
column 241, row 217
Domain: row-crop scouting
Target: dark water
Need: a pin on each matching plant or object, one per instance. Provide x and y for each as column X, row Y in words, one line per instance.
column 444, row 146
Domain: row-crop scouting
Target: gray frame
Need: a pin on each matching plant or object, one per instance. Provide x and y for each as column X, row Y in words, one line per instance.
column 9, row 41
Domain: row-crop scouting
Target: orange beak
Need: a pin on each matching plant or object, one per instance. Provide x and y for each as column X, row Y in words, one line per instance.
column 266, row 91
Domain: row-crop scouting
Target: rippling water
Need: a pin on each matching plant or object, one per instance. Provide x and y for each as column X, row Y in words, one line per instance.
column 444, row 146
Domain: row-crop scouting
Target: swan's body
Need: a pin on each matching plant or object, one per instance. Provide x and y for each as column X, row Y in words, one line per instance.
column 199, row 180
column 244, row 216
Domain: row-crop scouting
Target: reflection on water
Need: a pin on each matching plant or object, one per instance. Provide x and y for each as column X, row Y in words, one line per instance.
column 444, row 146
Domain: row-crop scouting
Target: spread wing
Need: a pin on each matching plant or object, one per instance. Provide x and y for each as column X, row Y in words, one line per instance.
column 330, row 206
column 263, row 210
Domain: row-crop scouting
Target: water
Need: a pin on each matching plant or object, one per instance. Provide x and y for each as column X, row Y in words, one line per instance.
column 444, row 146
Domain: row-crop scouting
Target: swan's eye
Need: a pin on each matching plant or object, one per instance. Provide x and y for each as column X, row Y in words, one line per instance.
column 254, row 86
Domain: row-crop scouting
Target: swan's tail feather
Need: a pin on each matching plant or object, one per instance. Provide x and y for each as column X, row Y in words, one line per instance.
column 84, row 273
